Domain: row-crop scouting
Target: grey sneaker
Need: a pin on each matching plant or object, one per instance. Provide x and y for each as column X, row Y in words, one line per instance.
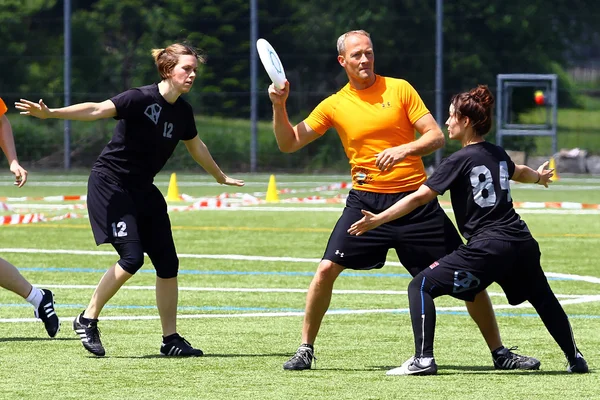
column 506, row 359
column 302, row 359
column 415, row 366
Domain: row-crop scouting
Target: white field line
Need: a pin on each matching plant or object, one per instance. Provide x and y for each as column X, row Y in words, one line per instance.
column 238, row 257
column 278, row 290
column 582, row 299
column 570, row 299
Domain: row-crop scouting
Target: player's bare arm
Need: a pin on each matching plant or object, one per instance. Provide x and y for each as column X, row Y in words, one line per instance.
column 202, row 156
column 404, row 206
column 432, row 138
column 289, row 138
column 77, row 112
column 7, row 143
column 542, row 176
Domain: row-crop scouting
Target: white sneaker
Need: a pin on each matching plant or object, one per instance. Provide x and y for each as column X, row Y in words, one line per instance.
column 415, row 366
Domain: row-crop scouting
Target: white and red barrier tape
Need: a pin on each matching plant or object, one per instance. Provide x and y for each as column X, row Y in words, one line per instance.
column 19, row 219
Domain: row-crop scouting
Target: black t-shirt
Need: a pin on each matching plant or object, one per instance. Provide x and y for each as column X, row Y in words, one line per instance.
column 478, row 179
column 146, row 135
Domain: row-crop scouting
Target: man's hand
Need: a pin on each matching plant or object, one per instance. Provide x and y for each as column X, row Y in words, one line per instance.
column 20, row 173
column 390, row 157
column 279, row 96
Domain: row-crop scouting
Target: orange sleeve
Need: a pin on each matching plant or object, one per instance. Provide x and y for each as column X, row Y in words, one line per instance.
column 415, row 108
column 3, row 108
column 320, row 119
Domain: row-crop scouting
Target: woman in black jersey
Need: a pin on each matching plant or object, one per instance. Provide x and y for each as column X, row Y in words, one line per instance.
column 499, row 246
column 125, row 208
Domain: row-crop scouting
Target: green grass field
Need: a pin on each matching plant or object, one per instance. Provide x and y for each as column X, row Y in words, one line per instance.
column 244, row 272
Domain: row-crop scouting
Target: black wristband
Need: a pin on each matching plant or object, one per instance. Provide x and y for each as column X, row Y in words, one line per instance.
column 539, row 177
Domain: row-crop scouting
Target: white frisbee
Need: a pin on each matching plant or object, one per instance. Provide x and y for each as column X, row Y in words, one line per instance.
column 271, row 62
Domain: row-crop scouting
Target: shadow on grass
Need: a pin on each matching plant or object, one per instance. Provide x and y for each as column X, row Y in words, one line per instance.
column 207, row 356
column 35, row 339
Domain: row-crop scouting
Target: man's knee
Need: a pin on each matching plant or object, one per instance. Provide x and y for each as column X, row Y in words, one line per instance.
column 328, row 271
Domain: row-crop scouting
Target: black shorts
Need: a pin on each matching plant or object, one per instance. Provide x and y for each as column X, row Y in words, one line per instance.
column 514, row 265
column 419, row 238
column 121, row 214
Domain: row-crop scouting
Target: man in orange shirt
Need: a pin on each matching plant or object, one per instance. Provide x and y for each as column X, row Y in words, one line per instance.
column 42, row 300
column 376, row 118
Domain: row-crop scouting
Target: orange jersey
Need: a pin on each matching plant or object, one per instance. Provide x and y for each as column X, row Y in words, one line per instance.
column 3, row 108
column 369, row 121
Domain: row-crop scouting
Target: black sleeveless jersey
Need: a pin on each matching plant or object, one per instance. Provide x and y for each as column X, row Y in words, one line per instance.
column 478, row 178
column 146, row 135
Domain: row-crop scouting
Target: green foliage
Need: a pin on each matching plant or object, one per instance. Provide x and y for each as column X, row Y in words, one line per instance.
column 112, row 40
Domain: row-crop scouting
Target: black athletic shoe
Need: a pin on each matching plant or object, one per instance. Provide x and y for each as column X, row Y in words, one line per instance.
column 302, row 359
column 415, row 366
column 89, row 334
column 47, row 313
column 506, row 359
column 179, row 347
column 578, row 365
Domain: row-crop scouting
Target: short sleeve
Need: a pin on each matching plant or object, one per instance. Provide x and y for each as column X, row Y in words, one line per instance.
column 510, row 164
column 413, row 104
column 127, row 103
column 3, row 108
column 320, row 119
column 444, row 175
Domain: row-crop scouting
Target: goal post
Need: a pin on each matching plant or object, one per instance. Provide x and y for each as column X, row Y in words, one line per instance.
column 506, row 126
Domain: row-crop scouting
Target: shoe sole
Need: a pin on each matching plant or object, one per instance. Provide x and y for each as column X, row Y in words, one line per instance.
column 534, row 367
column 424, row 372
column 296, row 369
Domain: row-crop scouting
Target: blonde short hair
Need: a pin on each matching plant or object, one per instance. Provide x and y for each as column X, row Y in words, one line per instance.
column 341, row 42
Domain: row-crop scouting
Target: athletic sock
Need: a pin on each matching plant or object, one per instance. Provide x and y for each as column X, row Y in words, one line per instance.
column 167, row 339
column 498, row 350
column 35, row 297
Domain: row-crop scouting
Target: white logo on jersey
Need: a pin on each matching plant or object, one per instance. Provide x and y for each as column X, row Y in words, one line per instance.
column 153, row 112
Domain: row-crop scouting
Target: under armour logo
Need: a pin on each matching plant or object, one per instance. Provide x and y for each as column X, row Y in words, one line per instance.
column 337, row 253
column 153, row 112
column 464, row 281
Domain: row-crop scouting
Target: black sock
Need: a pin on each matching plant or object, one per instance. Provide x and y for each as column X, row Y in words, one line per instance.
column 496, row 352
column 167, row 339
column 84, row 320
column 310, row 346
